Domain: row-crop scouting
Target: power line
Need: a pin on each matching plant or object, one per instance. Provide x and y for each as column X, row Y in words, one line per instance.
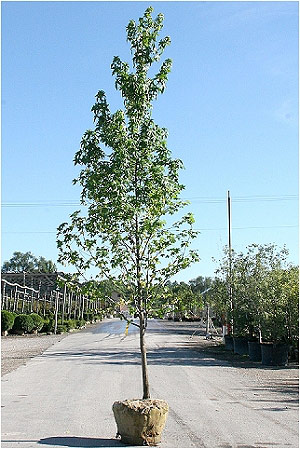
column 252, row 198
column 43, row 204
column 209, row 200
column 248, row 227
column 200, row 229
column 29, row 232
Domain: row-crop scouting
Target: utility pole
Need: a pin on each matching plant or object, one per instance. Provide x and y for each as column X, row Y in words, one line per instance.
column 229, row 221
column 230, row 260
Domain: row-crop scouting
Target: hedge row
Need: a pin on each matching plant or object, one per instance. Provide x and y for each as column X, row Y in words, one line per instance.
column 33, row 323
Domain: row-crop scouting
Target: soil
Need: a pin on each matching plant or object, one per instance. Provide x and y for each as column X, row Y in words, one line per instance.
column 16, row 350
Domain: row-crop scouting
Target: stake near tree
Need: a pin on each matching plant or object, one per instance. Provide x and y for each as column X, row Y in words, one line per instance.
column 130, row 184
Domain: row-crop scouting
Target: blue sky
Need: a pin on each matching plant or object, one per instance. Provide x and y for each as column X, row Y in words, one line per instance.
column 231, row 108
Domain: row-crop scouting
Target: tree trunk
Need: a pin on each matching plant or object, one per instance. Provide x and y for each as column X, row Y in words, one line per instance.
column 56, row 313
column 15, row 301
column 63, row 307
column 3, row 298
column 146, row 389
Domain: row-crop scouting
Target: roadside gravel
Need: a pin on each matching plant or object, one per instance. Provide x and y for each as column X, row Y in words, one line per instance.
column 16, row 350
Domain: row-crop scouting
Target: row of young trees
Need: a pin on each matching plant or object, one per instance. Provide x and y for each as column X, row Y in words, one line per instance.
column 263, row 284
column 255, row 293
column 264, row 302
column 63, row 308
column 264, row 289
column 182, row 300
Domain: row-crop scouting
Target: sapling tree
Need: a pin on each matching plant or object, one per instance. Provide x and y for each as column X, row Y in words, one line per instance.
column 263, row 292
column 130, row 185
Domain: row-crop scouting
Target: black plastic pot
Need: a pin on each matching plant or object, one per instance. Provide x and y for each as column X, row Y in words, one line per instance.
column 228, row 342
column 240, row 345
column 254, row 350
column 274, row 354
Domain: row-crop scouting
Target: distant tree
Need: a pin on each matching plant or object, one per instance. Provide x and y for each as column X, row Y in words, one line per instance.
column 45, row 266
column 203, row 287
column 201, row 284
column 20, row 262
column 181, row 300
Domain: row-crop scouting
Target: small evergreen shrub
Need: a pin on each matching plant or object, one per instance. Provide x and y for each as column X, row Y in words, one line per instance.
column 70, row 324
column 80, row 322
column 37, row 321
column 48, row 325
column 61, row 328
column 23, row 323
column 87, row 316
column 7, row 320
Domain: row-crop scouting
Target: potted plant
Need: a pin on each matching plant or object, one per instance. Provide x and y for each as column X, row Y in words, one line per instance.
column 275, row 328
column 265, row 302
column 240, row 329
column 234, row 272
column 291, row 294
column 129, row 190
column 275, row 346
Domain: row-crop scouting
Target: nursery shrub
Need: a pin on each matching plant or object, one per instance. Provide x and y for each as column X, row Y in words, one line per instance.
column 37, row 321
column 23, row 323
column 86, row 316
column 70, row 324
column 80, row 323
column 48, row 325
column 89, row 316
column 7, row 320
column 61, row 329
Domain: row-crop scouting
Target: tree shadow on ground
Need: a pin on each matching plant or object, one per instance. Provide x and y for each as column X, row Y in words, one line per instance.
column 81, row 442
column 181, row 328
column 219, row 352
column 170, row 356
column 185, row 354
